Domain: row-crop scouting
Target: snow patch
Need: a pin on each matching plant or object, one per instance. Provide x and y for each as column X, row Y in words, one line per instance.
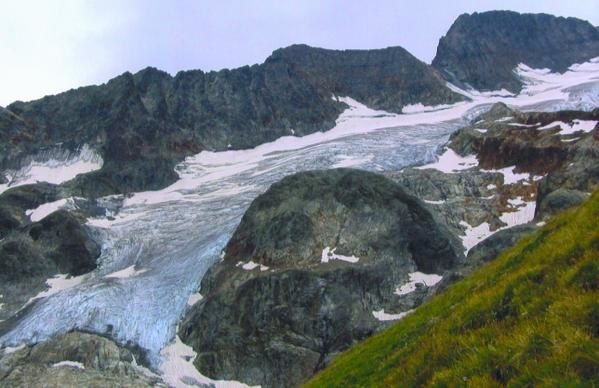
column 523, row 214
column 44, row 210
column 420, row 108
column 440, row 202
column 12, row 349
column 177, row 368
column 381, row 315
column 474, row 234
column 194, row 298
column 56, row 284
column 250, row 265
column 70, row 364
column 54, row 170
column 524, row 125
column 450, row 162
column 429, row 280
column 481, row 130
column 128, row 272
column 585, row 126
column 509, row 176
column 328, row 254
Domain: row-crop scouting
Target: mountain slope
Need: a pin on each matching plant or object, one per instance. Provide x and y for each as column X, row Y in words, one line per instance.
column 528, row 318
column 144, row 123
column 481, row 50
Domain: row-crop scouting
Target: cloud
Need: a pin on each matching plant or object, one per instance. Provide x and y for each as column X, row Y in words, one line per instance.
column 48, row 47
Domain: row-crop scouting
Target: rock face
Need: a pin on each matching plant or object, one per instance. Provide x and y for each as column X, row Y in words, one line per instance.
column 535, row 142
column 74, row 360
column 32, row 252
column 385, row 79
column 481, row 50
column 471, row 196
column 274, row 312
column 144, row 123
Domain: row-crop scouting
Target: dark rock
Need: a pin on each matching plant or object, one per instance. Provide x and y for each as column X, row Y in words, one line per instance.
column 56, row 244
column 488, row 249
column 66, row 242
column 481, row 50
column 21, row 259
column 277, row 326
column 30, row 196
column 10, row 219
column 32, row 252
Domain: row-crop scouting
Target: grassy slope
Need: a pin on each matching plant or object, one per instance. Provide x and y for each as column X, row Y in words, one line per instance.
column 531, row 317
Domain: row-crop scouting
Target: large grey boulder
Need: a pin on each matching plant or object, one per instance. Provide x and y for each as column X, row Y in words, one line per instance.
column 142, row 124
column 274, row 313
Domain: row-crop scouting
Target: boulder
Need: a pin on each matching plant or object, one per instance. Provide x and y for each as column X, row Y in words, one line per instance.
column 282, row 303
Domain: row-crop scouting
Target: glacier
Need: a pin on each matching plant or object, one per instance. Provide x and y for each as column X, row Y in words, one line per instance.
column 161, row 243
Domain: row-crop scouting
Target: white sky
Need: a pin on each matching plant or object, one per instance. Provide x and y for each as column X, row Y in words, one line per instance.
column 50, row 46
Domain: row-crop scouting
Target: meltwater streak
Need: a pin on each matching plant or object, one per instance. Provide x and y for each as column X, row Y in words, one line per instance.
column 174, row 235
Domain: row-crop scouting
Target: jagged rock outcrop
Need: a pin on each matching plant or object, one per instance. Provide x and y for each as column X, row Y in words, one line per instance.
column 488, row 249
column 481, row 50
column 274, row 312
column 32, row 252
column 74, row 360
column 535, row 142
column 143, row 124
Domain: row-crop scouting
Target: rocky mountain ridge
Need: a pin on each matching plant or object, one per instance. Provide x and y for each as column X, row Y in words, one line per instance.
column 143, row 124
column 481, row 50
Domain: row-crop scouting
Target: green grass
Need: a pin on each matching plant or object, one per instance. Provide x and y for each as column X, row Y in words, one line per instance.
column 529, row 318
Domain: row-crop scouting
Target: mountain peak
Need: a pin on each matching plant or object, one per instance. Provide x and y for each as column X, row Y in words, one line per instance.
column 481, row 50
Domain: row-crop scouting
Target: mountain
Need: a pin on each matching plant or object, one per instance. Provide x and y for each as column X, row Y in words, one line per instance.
column 143, row 124
column 482, row 50
column 528, row 318
column 316, row 258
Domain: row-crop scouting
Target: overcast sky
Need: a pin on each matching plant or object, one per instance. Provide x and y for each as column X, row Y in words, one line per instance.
column 50, row 46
